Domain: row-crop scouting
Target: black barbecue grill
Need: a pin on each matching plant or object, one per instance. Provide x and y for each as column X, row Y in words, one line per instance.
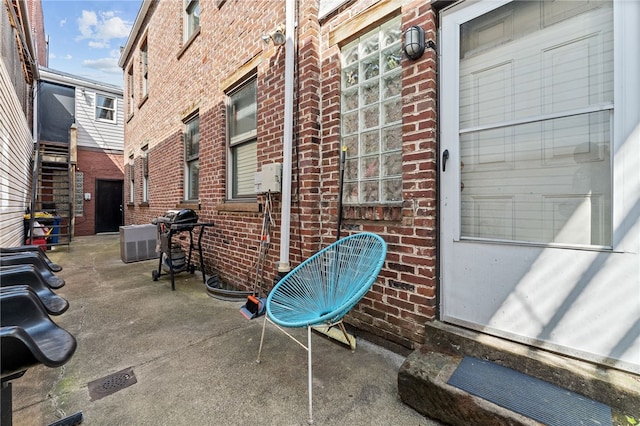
column 173, row 258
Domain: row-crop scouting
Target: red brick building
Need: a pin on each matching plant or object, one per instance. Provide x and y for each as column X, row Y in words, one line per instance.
column 200, row 75
column 489, row 181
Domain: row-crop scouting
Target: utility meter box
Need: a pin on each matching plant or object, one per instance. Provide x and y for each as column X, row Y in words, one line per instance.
column 269, row 179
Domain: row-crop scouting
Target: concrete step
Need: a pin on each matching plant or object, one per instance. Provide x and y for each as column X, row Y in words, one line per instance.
column 422, row 379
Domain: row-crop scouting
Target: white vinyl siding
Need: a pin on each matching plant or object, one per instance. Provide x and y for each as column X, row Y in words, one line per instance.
column 16, row 149
column 93, row 133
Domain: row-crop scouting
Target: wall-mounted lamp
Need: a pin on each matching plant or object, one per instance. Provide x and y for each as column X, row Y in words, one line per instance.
column 414, row 42
column 277, row 36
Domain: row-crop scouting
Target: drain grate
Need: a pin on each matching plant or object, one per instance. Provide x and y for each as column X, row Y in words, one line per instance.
column 111, row 384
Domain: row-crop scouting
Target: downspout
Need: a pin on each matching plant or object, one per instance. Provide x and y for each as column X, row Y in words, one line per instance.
column 285, row 218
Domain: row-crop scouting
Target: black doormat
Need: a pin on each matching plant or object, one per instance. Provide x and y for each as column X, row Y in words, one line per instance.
column 112, row 383
column 526, row 395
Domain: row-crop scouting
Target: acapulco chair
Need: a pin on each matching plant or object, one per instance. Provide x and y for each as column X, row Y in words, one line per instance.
column 322, row 289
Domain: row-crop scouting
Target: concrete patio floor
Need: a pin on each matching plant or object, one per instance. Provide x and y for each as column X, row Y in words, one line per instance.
column 194, row 357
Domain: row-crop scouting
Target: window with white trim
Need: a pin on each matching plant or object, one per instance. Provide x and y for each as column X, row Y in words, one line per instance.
column 242, row 124
column 191, row 18
column 144, row 65
column 145, row 174
column 130, row 90
column 132, row 179
column 192, row 157
column 371, row 116
column 105, row 108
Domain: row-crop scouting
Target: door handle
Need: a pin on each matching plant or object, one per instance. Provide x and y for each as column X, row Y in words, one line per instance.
column 445, row 157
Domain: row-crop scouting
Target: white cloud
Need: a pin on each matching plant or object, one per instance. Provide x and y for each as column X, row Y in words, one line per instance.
column 101, row 29
column 65, row 57
column 108, row 65
column 63, row 22
column 87, row 24
column 99, row 44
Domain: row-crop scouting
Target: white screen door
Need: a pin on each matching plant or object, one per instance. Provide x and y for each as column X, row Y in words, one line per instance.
column 527, row 174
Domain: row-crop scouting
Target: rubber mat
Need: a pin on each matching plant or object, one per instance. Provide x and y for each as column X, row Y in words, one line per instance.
column 529, row 396
column 112, row 383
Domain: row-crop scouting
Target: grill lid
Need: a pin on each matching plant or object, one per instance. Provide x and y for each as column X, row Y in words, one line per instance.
column 185, row 216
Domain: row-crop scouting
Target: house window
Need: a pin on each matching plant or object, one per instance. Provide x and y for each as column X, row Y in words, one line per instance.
column 145, row 68
column 191, row 18
column 192, row 153
column 371, row 116
column 145, row 175
column 130, row 89
column 242, row 124
column 132, row 187
column 105, row 108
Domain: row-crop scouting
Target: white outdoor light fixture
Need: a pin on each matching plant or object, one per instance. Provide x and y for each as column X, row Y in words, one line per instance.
column 277, row 36
column 414, row 42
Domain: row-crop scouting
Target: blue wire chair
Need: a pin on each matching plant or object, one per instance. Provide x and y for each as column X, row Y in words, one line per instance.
column 322, row 289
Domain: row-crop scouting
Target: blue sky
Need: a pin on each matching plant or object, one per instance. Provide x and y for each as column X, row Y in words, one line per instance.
column 85, row 36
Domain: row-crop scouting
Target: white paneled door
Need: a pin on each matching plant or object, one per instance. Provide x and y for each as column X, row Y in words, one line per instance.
column 540, row 174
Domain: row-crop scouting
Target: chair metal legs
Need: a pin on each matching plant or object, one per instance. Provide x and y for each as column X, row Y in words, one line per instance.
column 310, row 374
column 309, row 363
column 264, row 326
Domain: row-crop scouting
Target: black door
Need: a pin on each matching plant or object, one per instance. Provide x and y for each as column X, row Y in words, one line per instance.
column 109, row 199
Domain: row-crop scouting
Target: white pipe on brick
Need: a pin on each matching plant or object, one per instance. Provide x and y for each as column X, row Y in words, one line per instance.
column 285, row 217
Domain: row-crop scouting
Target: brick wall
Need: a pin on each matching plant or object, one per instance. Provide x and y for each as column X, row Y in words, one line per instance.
column 182, row 79
column 95, row 164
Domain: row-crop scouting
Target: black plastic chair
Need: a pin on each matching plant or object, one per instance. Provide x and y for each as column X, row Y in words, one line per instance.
column 28, row 337
column 54, row 267
column 29, row 258
column 54, row 304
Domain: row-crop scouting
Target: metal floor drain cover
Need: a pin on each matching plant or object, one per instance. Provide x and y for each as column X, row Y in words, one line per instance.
column 111, row 384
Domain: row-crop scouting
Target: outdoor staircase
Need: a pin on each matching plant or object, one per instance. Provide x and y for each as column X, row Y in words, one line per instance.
column 52, row 192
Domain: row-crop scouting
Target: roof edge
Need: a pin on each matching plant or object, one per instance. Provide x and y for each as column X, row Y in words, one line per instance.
column 142, row 13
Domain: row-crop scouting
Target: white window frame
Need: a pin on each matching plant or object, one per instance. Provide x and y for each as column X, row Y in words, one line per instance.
column 234, row 142
column 191, row 159
column 99, row 108
column 130, row 90
column 132, row 180
column 144, row 67
column 145, row 175
column 190, row 26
